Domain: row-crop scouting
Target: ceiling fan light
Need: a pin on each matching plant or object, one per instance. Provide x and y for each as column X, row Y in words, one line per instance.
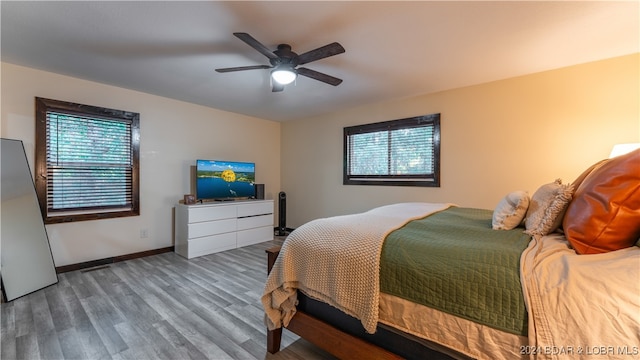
column 283, row 75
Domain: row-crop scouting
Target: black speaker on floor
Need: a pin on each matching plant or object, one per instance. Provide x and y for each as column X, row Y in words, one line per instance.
column 282, row 214
column 259, row 191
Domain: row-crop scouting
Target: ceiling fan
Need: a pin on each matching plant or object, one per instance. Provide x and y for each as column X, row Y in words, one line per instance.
column 284, row 62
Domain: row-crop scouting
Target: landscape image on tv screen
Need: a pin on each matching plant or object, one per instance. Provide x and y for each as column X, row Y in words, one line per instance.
column 220, row 180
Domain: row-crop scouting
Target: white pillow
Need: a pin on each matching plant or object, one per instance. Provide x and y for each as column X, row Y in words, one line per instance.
column 510, row 211
column 547, row 207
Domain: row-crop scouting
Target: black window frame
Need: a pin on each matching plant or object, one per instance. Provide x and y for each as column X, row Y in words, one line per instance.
column 424, row 180
column 43, row 108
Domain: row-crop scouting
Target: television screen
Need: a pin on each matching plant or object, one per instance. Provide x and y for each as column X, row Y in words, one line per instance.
column 224, row 180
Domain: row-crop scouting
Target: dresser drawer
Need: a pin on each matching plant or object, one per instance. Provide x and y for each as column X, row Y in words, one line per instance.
column 200, row 214
column 211, row 244
column 255, row 235
column 258, row 208
column 211, row 228
column 254, row 222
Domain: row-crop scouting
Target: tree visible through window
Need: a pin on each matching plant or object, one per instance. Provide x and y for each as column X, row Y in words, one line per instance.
column 86, row 161
column 397, row 152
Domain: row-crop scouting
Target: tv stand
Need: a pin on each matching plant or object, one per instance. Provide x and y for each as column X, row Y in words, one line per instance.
column 208, row 228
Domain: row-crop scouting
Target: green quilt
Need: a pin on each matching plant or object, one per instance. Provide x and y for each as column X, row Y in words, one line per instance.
column 454, row 262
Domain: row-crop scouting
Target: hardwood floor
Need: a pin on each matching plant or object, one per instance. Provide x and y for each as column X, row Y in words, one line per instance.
column 157, row 307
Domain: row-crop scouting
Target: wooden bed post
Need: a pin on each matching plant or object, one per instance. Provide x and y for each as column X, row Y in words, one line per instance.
column 273, row 340
column 274, row 337
column 272, row 255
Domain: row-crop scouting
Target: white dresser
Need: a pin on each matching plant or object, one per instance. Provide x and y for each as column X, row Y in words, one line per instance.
column 217, row 226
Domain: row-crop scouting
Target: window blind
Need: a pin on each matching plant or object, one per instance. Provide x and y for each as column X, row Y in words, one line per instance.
column 406, row 151
column 396, row 152
column 89, row 163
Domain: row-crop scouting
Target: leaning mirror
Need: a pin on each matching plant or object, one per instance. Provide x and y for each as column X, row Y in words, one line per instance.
column 26, row 262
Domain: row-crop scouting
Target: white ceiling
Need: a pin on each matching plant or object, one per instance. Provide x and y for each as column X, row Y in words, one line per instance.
column 393, row 49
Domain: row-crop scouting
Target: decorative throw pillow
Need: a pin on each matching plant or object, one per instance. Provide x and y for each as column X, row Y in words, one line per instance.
column 547, row 207
column 510, row 211
column 576, row 183
column 605, row 213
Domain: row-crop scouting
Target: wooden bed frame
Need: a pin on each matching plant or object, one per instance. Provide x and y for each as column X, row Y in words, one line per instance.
column 321, row 334
column 331, row 339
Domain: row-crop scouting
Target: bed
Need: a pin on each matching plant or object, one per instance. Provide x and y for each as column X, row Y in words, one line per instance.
column 552, row 275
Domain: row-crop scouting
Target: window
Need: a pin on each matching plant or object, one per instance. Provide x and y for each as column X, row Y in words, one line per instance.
column 87, row 161
column 396, row 152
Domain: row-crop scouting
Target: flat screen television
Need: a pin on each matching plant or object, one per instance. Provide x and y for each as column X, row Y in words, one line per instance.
column 225, row 180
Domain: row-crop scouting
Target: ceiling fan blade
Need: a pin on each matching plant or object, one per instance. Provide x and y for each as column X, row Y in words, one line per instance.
column 276, row 87
column 319, row 76
column 241, row 68
column 255, row 44
column 320, row 53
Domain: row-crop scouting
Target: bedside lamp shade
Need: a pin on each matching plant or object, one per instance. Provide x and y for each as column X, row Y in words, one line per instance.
column 621, row 149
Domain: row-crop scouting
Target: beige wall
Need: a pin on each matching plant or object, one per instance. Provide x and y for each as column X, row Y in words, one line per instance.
column 513, row 134
column 506, row 135
column 173, row 135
